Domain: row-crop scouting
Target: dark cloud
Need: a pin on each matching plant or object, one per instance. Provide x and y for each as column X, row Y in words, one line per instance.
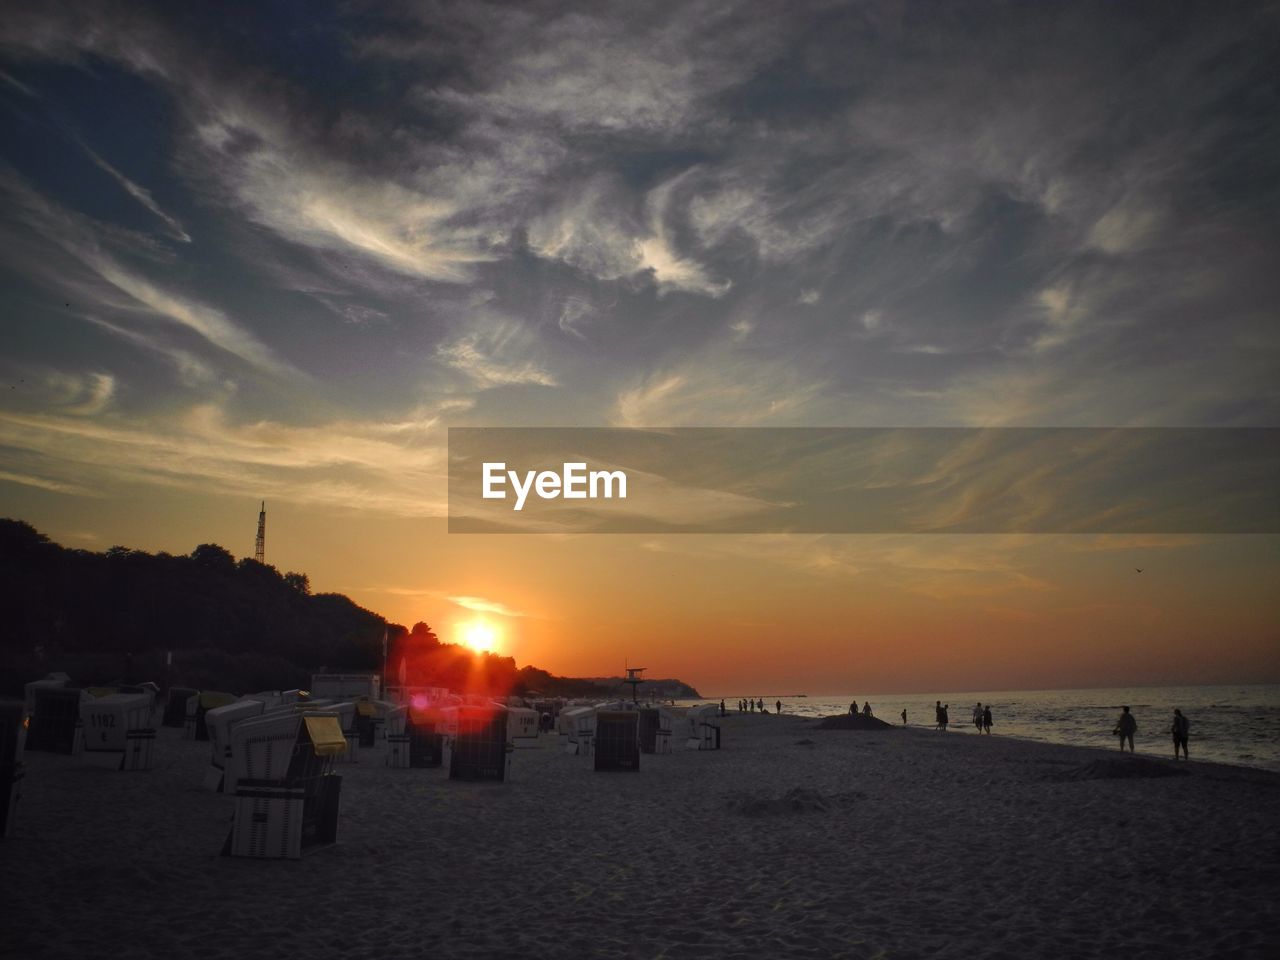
column 650, row 213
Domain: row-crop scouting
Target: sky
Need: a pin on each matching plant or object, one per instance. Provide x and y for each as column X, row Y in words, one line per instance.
column 273, row 251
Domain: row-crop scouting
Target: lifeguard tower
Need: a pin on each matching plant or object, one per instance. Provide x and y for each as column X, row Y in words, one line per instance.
column 634, row 680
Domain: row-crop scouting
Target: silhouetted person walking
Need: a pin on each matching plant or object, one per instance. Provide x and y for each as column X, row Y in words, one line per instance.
column 904, row 716
column 853, row 707
column 977, row 716
column 1181, row 731
column 866, row 708
column 937, row 715
column 1126, row 726
column 986, row 719
column 946, row 716
column 778, row 706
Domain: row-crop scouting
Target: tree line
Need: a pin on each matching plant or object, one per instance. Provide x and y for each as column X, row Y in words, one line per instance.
column 236, row 625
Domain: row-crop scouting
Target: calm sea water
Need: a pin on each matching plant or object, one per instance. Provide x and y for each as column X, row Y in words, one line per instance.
column 1239, row 725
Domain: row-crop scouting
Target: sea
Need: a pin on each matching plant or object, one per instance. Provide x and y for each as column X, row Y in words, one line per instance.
column 1229, row 724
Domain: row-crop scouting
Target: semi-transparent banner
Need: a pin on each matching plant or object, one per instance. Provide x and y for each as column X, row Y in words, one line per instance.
column 863, row 480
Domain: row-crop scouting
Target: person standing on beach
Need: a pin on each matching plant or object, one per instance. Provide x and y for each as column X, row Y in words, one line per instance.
column 723, row 711
column 986, row 719
column 778, row 705
column 1126, row 727
column 853, row 707
column 760, row 704
column 937, row 715
column 977, row 716
column 904, row 716
column 866, row 708
column 1181, row 730
column 946, row 716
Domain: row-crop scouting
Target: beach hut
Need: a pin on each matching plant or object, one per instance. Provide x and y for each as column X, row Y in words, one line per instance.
column 151, row 691
column 655, row 730
column 175, row 706
column 286, row 791
column 13, row 735
column 347, row 716
column 397, row 738
column 477, row 746
column 522, row 726
column 50, row 681
column 577, row 728
column 220, row 722
column 703, row 727
column 118, row 730
column 617, row 740
column 425, row 731
column 367, row 722
column 268, row 698
column 193, row 727
column 381, row 710
column 55, row 725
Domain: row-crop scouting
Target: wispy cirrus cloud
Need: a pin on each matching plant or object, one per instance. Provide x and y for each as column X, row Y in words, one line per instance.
column 391, row 467
column 142, row 195
column 482, row 605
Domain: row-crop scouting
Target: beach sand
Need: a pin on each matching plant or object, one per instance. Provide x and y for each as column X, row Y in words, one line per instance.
column 791, row 842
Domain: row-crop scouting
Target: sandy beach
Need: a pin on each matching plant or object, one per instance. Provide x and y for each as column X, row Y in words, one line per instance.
column 789, row 842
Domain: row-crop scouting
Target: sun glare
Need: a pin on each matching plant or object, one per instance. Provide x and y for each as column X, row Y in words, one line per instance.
column 479, row 636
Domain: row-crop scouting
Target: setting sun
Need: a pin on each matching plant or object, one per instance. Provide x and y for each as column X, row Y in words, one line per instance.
column 480, row 636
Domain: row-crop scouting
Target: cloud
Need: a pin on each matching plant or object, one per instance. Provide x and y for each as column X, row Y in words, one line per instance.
column 389, row 467
column 141, row 194
column 54, row 486
column 575, row 313
column 83, row 242
column 1125, row 228
column 495, row 351
column 191, row 370
column 85, row 395
column 718, row 389
column 211, row 324
column 321, row 204
column 481, row 605
column 899, row 233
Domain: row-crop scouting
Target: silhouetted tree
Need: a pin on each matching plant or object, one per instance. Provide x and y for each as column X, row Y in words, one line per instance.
column 214, row 557
column 299, row 581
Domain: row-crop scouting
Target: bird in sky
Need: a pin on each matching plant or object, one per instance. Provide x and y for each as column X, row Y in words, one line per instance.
column 1139, row 569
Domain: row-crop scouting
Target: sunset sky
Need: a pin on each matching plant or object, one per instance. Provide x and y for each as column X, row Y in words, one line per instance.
column 257, row 251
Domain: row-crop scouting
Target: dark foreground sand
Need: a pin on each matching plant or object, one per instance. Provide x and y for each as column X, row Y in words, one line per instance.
column 855, row 844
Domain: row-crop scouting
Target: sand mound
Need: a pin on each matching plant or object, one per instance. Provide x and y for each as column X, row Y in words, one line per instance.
column 852, row 721
column 795, row 800
column 1122, row 768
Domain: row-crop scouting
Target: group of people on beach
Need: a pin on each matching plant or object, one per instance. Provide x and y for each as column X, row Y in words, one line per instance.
column 942, row 716
column 753, row 706
column 1127, row 726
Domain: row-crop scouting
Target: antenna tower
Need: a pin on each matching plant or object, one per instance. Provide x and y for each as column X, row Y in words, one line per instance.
column 260, row 548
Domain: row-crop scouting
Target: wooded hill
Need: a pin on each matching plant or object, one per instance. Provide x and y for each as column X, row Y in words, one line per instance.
column 231, row 625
